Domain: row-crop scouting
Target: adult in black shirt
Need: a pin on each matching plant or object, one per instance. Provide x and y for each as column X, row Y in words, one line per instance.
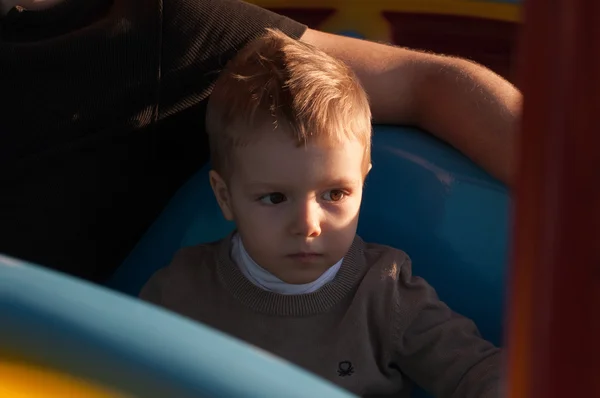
column 102, row 113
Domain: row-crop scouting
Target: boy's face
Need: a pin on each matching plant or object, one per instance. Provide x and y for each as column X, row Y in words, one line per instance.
column 296, row 208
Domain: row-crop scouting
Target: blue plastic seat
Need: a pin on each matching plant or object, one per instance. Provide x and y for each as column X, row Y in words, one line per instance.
column 421, row 196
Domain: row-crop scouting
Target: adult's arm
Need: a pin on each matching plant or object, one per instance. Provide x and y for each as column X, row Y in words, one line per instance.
column 460, row 102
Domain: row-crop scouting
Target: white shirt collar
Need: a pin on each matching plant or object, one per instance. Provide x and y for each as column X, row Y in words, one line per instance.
column 267, row 281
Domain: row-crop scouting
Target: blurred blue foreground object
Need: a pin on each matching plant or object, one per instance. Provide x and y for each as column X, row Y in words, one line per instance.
column 119, row 342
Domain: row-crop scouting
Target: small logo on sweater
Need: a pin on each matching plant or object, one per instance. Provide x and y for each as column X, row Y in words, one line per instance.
column 345, row 368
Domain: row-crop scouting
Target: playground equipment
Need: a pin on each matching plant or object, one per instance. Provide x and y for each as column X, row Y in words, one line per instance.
column 554, row 325
column 62, row 336
column 484, row 31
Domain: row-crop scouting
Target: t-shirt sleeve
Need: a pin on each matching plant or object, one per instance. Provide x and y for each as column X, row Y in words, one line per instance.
column 199, row 37
column 438, row 349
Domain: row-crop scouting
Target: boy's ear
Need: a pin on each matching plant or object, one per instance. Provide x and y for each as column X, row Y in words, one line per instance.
column 368, row 171
column 221, row 192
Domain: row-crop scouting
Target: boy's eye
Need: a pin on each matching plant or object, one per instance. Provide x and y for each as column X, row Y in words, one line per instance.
column 273, row 198
column 335, row 195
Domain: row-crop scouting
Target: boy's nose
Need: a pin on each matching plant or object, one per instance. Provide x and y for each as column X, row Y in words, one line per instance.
column 307, row 222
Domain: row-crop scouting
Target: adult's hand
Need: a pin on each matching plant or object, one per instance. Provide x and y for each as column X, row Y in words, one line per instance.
column 460, row 102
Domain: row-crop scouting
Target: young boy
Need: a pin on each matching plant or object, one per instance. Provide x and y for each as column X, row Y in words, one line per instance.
column 290, row 132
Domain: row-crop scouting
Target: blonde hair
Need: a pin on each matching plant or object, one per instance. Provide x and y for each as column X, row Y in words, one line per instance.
column 291, row 85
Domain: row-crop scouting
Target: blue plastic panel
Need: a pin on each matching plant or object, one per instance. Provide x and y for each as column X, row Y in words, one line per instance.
column 121, row 342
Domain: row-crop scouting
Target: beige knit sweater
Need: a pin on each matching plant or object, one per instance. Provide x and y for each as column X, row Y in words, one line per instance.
column 373, row 330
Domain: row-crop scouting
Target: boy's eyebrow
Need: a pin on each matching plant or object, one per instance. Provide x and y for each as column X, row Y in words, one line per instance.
column 330, row 183
column 342, row 181
column 262, row 185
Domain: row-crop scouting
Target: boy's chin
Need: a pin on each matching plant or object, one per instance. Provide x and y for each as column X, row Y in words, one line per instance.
column 301, row 275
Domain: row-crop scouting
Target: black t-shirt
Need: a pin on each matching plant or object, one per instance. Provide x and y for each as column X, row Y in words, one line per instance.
column 102, row 119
